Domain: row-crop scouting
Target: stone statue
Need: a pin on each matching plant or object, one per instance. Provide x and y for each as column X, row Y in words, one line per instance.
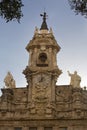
column 75, row 79
column 9, row 81
column 36, row 30
column 51, row 31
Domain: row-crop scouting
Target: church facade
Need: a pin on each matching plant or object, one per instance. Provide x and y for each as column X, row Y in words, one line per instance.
column 43, row 105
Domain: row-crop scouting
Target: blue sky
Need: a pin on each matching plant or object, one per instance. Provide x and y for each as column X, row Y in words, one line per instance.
column 69, row 30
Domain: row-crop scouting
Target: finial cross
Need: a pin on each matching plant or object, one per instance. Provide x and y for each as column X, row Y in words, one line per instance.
column 44, row 16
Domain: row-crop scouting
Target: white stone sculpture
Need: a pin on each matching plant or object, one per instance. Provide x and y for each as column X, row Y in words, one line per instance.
column 36, row 30
column 75, row 79
column 51, row 31
column 9, row 81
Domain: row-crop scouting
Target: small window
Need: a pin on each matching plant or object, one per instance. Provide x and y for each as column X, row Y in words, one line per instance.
column 32, row 128
column 48, row 128
column 17, row 128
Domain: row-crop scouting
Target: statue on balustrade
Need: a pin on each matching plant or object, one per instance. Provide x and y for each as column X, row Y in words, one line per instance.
column 9, row 81
column 75, row 79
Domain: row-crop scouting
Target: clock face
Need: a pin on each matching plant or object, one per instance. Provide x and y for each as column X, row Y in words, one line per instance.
column 42, row 79
column 41, row 87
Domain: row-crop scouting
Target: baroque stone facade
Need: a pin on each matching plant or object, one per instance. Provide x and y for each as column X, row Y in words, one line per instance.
column 43, row 105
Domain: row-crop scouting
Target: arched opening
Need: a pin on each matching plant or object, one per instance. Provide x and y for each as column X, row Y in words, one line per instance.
column 42, row 60
column 43, row 57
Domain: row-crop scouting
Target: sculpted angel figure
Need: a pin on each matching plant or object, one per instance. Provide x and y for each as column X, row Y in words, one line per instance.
column 9, row 81
column 75, row 79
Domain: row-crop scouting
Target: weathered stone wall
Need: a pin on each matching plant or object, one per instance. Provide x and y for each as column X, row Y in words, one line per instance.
column 41, row 124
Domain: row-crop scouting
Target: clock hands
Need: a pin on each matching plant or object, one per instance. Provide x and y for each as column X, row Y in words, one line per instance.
column 41, row 78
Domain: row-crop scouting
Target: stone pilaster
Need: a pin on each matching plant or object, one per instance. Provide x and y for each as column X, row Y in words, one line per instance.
column 55, row 128
column 50, row 57
column 40, row 128
column 34, row 57
column 54, row 58
column 30, row 58
column 25, row 128
column 53, row 91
